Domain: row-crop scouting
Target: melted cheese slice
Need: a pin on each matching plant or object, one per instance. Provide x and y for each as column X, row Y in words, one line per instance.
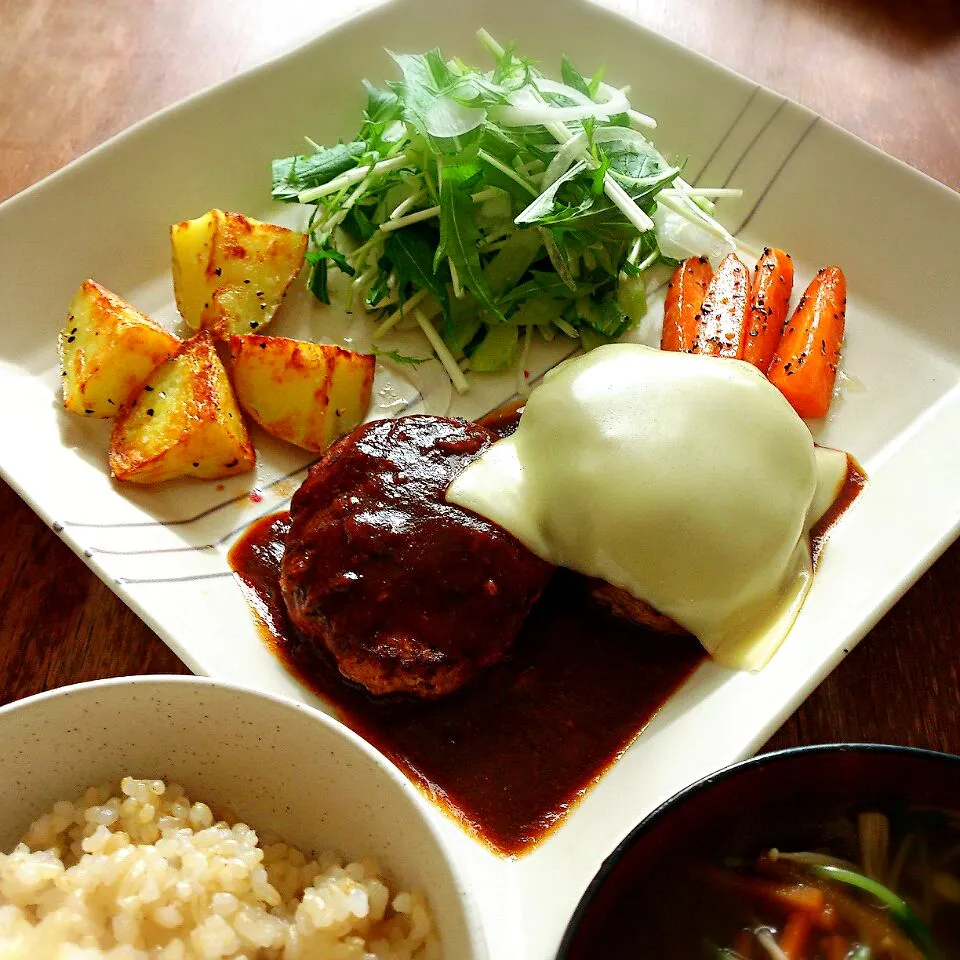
column 688, row 481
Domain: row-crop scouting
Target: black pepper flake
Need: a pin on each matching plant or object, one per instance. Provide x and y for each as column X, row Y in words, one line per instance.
column 87, row 410
column 823, row 347
column 787, row 367
column 259, row 293
column 753, row 333
column 71, row 339
column 148, row 388
column 339, row 412
column 63, row 373
column 73, row 331
column 150, row 412
column 196, row 463
column 263, row 306
column 112, row 404
column 706, row 308
column 246, row 281
column 206, row 306
column 219, row 271
column 231, row 464
column 254, row 324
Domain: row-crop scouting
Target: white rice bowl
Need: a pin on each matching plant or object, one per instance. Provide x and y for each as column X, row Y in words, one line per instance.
column 164, row 869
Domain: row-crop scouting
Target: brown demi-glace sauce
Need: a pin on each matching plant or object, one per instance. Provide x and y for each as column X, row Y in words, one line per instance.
column 510, row 754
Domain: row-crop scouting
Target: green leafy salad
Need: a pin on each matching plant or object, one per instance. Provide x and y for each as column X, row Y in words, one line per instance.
column 492, row 206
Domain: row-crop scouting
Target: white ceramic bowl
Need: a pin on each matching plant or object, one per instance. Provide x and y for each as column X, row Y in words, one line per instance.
column 279, row 765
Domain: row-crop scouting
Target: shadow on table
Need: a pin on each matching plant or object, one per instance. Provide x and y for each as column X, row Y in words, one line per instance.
column 911, row 28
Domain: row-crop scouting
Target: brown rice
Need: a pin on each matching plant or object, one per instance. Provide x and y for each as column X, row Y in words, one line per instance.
column 143, row 873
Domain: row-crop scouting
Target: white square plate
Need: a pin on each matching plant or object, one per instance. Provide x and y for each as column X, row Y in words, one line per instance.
column 808, row 187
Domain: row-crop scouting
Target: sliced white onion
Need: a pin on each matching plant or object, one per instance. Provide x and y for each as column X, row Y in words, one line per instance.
column 562, row 162
column 520, row 112
column 679, row 237
column 545, row 85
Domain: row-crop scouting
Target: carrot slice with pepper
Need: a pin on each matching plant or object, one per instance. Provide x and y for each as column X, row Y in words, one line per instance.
column 681, row 308
column 804, row 368
column 795, row 934
column 723, row 313
column 769, row 303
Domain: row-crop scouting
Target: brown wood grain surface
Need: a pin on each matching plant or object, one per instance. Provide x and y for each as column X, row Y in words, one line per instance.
column 74, row 72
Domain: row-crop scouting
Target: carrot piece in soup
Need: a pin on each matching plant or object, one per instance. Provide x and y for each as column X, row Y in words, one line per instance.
column 681, row 308
column 723, row 313
column 836, row 947
column 743, row 944
column 787, row 897
column 804, row 367
column 795, row 934
column 769, row 303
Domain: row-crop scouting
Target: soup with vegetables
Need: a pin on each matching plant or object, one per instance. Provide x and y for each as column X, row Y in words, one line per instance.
column 883, row 884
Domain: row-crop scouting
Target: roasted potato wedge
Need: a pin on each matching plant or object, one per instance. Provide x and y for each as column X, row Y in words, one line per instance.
column 306, row 393
column 107, row 349
column 230, row 272
column 184, row 422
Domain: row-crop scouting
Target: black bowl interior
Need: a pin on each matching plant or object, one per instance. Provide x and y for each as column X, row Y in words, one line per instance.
column 795, row 799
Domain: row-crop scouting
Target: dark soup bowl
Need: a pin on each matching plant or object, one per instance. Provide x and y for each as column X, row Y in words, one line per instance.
column 848, row 852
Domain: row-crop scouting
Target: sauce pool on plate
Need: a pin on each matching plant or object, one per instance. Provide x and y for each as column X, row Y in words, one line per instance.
column 511, row 753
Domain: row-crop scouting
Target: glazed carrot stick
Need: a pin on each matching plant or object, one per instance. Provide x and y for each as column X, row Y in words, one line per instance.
column 804, row 366
column 795, row 934
column 723, row 313
column 681, row 308
column 769, row 302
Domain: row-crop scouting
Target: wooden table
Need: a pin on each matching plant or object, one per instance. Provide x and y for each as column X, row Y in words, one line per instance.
column 72, row 73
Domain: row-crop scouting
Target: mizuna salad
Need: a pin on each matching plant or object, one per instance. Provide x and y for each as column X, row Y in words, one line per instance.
column 491, row 206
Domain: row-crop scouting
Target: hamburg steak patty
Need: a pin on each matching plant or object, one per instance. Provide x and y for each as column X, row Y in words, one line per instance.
column 409, row 593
